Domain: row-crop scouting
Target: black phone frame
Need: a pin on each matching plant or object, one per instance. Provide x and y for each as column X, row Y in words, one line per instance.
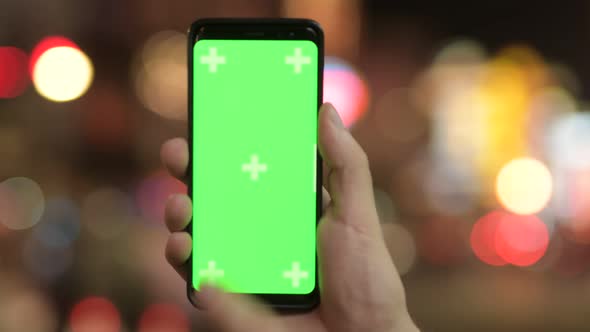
column 258, row 29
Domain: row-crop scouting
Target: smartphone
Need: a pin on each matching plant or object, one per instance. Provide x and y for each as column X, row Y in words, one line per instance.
column 255, row 87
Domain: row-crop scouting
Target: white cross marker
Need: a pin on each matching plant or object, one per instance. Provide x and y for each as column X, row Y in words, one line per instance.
column 254, row 167
column 298, row 60
column 213, row 60
column 295, row 275
column 211, row 273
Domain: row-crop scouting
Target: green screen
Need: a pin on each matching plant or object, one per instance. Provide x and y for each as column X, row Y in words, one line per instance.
column 254, row 165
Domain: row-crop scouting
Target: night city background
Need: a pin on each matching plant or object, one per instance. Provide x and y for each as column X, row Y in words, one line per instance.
column 474, row 116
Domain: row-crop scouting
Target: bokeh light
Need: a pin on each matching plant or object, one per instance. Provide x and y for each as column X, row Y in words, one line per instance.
column 48, row 252
column 572, row 203
column 524, row 186
column 548, row 106
column 14, row 77
column 569, row 141
column 45, row 44
column 458, row 119
column 21, row 203
column 483, row 238
column 568, row 145
column 163, row 317
column 153, row 192
column 341, row 22
column 481, row 108
column 346, row 90
column 438, row 115
column 521, row 240
column 401, row 245
column 160, row 75
column 45, row 262
column 580, row 225
column 450, row 191
column 94, row 314
column 25, row 308
column 63, row 74
column 500, row 237
column 107, row 212
column 460, row 52
column 60, row 224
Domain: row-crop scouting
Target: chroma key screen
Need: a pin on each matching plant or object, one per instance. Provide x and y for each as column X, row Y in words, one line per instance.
column 254, row 165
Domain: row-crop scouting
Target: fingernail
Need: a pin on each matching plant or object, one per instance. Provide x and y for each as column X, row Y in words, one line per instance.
column 334, row 116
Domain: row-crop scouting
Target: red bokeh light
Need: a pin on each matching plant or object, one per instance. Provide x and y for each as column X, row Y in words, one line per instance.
column 153, row 193
column 521, row 239
column 483, row 238
column 46, row 44
column 162, row 317
column 500, row 237
column 95, row 314
column 13, row 72
column 347, row 92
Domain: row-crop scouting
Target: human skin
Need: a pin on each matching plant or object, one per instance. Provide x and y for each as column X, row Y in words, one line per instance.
column 359, row 285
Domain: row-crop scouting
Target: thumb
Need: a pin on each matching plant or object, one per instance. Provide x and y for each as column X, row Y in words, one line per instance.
column 349, row 180
column 235, row 312
column 360, row 287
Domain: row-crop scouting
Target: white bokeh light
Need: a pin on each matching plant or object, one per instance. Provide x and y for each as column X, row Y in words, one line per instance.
column 62, row 74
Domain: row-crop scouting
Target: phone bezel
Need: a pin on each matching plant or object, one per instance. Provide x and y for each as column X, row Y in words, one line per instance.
column 258, row 29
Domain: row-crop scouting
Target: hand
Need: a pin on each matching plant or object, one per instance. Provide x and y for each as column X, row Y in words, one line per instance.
column 360, row 287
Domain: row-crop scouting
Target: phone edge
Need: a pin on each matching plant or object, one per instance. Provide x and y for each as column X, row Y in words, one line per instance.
column 191, row 36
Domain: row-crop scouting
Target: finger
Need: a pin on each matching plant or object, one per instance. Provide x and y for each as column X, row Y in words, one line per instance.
column 174, row 155
column 326, row 200
column 349, row 236
column 349, row 179
column 325, row 173
column 178, row 250
column 236, row 312
column 178, row 212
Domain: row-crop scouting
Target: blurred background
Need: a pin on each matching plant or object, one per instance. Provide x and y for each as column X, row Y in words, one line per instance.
column 473, row 115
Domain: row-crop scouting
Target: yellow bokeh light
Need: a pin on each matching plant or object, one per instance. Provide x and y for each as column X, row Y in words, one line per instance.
column 62, row 74
column 524, row 186
column 160, row 75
